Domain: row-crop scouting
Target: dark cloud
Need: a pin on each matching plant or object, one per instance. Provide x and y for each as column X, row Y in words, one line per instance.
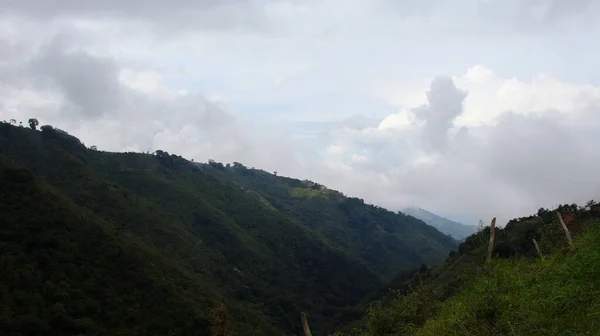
column 132, row 8
column 89, row 82
column 175, row 14
column 542, row 157
column 444, row 104
column 11, row 54
column 72, row 88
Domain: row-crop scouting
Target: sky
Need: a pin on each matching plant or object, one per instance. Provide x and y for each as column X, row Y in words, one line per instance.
column 472, row 109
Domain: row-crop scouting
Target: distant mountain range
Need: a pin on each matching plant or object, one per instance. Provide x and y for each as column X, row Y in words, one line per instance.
column 456, row 230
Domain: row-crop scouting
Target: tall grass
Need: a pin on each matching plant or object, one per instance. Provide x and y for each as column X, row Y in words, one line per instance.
column 556, row 295
column 559, row 295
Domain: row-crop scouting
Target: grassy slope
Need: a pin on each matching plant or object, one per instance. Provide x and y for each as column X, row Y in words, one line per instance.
column 517, row 294
column 557, row 296
column 196, row 234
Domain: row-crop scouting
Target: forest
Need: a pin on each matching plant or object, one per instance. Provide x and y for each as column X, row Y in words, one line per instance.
column 102, row 243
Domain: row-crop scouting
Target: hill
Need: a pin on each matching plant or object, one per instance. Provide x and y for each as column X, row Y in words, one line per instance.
column 516, row 293
column 386, row 242
column 103, row 243
column 456, row 230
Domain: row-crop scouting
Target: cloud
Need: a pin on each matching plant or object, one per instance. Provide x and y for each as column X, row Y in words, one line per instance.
column 518, row 159
column 539, row 16
column 384, row 100
column 90, row 84
column 444, row 103
column 163, row 16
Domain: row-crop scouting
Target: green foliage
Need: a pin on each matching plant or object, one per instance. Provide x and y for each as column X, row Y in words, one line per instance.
column 128, row 243
column 404, row 313
column 33, row 123
column 514, row 295
column 522, row 297
column 66, row 271
column 383, row 241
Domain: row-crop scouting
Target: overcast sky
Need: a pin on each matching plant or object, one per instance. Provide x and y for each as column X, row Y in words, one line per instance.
column 468, row 108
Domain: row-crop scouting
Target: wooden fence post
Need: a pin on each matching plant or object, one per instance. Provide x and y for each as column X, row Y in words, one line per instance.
column 492, row 238
column 305, row 325
column 537, row 248
column 567, row 233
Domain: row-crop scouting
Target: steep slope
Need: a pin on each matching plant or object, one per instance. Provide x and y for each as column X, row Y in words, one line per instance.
column 554, row 296
column 456, row 230
column 517, row 293
column 386, row 242
column 67, row 271
column 197, row 235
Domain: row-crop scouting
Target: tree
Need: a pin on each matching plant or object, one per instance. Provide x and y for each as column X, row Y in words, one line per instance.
column 33, row 123
column 46, row 128
column 13, row 121
column 94, row 148
column 590, row 204
column 161, row 153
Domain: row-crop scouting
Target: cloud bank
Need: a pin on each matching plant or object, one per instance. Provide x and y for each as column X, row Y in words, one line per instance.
column 399, row 105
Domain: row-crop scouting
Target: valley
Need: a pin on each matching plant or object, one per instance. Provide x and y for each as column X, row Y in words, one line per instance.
column 152, row 244
column 102, row 243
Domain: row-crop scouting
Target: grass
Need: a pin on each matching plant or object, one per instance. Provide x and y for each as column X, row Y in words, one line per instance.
column 559, row 295
column 518, row 295
column 303, row 192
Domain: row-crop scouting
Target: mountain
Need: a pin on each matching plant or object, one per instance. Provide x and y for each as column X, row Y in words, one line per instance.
column 385, row 241
column 103, row 243
column 456, row 230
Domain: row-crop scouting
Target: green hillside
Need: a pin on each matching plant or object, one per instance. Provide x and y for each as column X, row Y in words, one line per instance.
column 517, row 293
column 105, row 243
column 384, row 241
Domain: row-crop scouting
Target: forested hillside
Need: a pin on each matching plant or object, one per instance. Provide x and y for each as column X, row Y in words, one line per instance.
column 385, row 241
column 103, row 243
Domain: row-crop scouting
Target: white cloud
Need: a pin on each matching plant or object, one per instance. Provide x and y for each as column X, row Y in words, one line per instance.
column 404, row 119
column 351, row 94
column 520, row 156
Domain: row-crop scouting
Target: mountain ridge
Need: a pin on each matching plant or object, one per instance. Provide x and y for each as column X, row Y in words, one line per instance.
column 267, row 247
column 455, row 229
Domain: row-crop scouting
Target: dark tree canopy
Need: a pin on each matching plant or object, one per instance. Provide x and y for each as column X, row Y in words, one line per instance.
column 33, row 123
column 100, row 243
